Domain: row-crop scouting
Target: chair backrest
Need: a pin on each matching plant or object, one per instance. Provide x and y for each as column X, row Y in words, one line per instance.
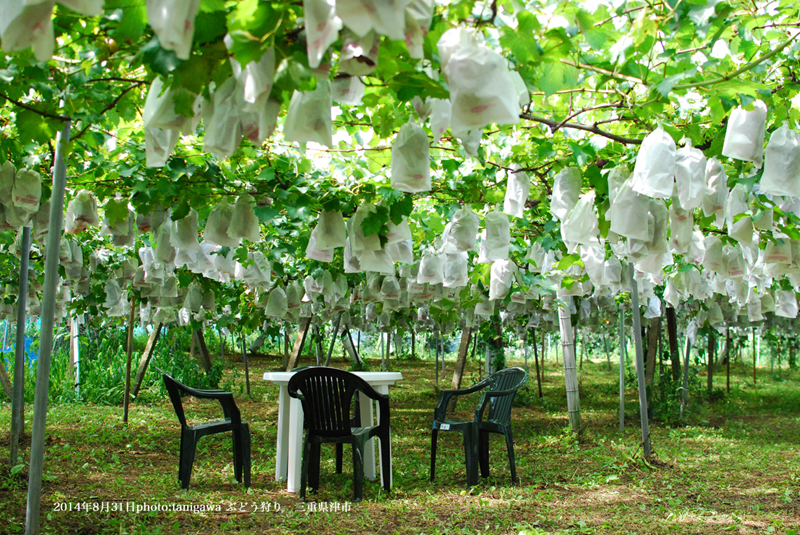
column 327, row 396
column 506, row 379
column 174, row 389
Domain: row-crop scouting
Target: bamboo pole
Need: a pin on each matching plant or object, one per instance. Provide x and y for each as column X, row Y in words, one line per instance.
column 18, row 389
column 46, row 334
column 570, row 371
column 637, row 339
column 128, row 358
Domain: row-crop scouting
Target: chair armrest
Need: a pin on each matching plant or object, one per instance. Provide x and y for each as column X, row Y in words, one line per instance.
column 206, row 394
column 446, row 395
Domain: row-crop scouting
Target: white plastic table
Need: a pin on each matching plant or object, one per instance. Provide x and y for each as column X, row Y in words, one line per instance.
column 288, row 460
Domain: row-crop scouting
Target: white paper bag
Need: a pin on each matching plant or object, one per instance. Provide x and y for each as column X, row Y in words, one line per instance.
column 581, row 227
column 401, row 232
column 497, row 238
column 184, row 234
column 455, row 270
column 681, row 231
column 461, row 233
column 355, row 231
column 566, row 191
column 782, row 163
column 217, row 225
column 244, row 223
column 277, row 305
column 786, row 306
column 482, row 91
column 440, row 117
column 741, row 230
column 309, row 115
column 81, row 212
column 744, row 135
column 517, row 189
column 315, row 252
column 347, row 90
column 430, row 270
column 331, row 230
column 173, row 23
column 378, row 261
column 25, row 24
column 716, row 191
column 401, row 251
column 411, row 169
column 501, row 276
column 628, row 215
column 654, row 173
column 690, row 176
column 322, row 28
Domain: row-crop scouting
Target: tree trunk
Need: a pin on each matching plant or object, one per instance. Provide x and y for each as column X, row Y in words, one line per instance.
column 672, row 335
column 461, row 361
column 202, row 350
column 536, row 362
column 653, row 333
column 710, row 358
column 570, row 372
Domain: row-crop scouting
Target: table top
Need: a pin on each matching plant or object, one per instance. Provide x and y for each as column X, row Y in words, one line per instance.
column 373, row 378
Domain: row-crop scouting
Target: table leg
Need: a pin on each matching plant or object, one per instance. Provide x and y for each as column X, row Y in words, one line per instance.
column 367, row 417
column 384, row 389
column 295, row 454
column 281, row 456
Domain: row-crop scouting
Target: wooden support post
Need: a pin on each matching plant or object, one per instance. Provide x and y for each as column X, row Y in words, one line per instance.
column 685, row 386
column 17, row 392
column 202, row 350
column 317, row 344
column 144, row 361
column 128, row 358
column 333, row 339
column 351, row 348
column 299, row 342
column 413, row 344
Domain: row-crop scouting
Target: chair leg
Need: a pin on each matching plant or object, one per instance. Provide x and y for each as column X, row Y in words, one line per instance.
column 471, row 454
column 304, row 468
column 434, row 436
column 511, row 460
column 358, row 469
column 188, row 446
column 483, row 452
column 386, row 466
column 237, row 455
column 339, row 455
column 245, row 454
column 313, row 475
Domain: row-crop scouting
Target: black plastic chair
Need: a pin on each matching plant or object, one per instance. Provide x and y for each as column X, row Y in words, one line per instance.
column 190, row 435
column 327, row 398
column 500, row 390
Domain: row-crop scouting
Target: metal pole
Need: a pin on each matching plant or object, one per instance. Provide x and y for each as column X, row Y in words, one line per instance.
column 570, row 371
column 622, row 343
column 637, row 338
column 436, row 362
column 754, row 356
column 129, row 350
column 46, row 334
column 333, row 339
column 17, row 399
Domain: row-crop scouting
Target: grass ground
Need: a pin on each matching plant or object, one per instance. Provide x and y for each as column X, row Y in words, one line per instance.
column 732, row 467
